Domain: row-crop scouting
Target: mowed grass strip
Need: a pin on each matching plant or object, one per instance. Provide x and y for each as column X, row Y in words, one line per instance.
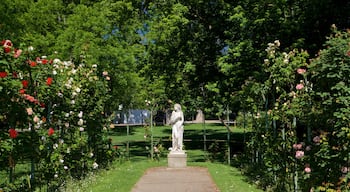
column 122, row 177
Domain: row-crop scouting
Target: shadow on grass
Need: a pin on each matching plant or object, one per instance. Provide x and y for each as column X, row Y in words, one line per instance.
column 216, row 143
column 122, row 130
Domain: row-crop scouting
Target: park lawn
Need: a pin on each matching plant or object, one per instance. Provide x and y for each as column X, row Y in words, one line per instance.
column 124, row 174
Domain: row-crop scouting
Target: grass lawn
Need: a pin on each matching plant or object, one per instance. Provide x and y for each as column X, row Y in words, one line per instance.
column 122, row 177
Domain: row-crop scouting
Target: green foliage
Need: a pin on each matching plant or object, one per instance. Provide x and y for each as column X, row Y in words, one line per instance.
column 303, row 131
column 53, row 116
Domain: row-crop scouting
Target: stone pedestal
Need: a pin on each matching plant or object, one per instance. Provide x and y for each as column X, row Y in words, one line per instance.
column 177, row 159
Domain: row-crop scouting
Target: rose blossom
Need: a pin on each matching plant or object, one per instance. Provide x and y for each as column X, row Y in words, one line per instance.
column 297, row 146
column 316, row 139
column 13, row 133
column 299, row 154
column 299, row 86
column 307, row 169
column 344, row 170
column 301, row 71
column 29, row 111
column 51, row 131
column 18, row 53
column 49, row 81
column 3, row 74
column 36, row 119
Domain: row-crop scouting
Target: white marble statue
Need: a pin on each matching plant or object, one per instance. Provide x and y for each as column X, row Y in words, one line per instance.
column 177, row 121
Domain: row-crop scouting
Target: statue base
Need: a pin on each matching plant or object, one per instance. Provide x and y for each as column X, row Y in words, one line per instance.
column 177, row 159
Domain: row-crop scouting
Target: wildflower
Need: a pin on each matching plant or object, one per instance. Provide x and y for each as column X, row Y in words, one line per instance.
column 51, row 131
column 299, row 86
column 13, row 133
column 299, row 154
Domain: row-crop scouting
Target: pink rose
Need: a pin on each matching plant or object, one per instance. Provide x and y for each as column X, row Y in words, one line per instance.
column 17, row 53
column 299, row 154
column 316, row 139
column 301, row 71
column 29, row 111
column 307, row 170
column 299, row 86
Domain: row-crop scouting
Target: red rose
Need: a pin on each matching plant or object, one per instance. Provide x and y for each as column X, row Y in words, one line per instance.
column 3, row 74
column 22, row 91
column 6, row 43
column 13, row 133
column 44, row 61
column 51, row 131
column 49, row 81
column 14, row 74
column 7, row 49
column 25, row 84
column 32, row 63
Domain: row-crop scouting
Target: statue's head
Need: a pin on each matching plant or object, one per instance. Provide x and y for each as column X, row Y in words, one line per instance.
column 177, row 107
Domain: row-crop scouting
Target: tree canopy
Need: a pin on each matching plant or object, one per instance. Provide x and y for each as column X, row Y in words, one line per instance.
column 198, row 53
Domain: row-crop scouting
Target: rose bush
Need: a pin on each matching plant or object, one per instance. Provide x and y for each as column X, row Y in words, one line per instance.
column 54, row 109
column 300, row 141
